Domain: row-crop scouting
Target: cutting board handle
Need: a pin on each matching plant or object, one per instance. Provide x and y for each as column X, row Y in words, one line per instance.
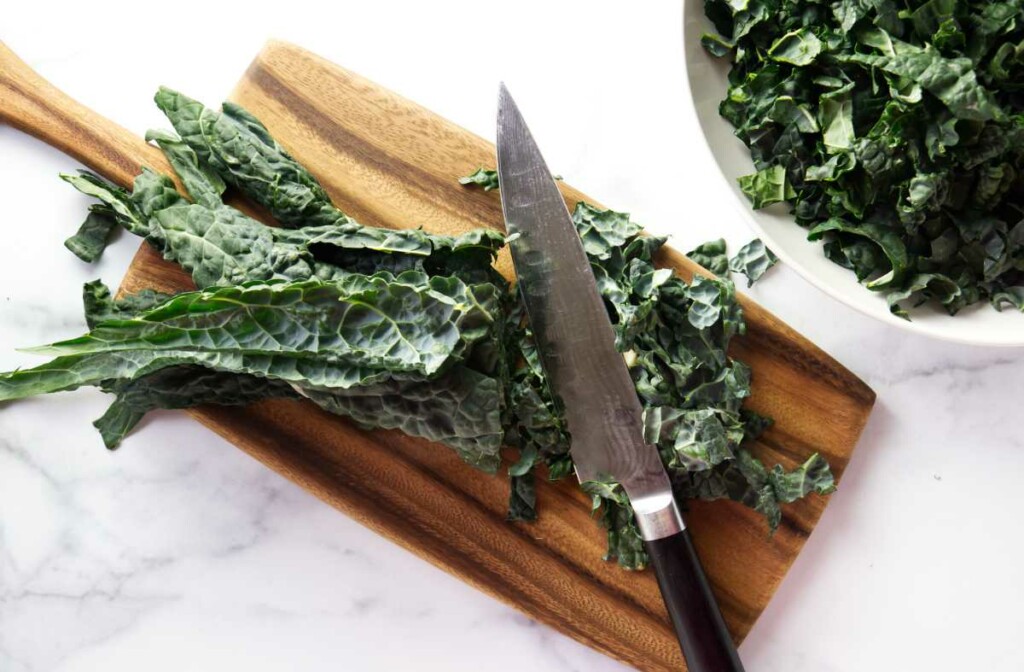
column 34, row 105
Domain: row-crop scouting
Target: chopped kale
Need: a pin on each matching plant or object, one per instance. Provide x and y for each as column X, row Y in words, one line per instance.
column 894, row 131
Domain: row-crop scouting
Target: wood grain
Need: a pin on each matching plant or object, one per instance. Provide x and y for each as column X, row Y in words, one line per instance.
column 389, row 162
column 30, row 103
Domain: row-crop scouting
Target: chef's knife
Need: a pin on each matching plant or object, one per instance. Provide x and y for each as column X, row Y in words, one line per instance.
column 590, row 380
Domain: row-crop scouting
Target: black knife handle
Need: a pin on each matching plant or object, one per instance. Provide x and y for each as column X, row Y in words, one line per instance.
column 706, row 643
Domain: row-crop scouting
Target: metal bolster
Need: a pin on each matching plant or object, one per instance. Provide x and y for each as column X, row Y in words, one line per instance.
column 659, row 521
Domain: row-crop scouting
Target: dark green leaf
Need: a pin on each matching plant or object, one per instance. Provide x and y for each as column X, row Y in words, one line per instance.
column 798, row 47
column 951, row 80
column 201, row 183
column 786, row 110
column 813, row 475
column 716, row 45
column 927, row 18
column 836, row 118
column 117, row 200
column 323, row 335
column 753, row 260
column 483, row 178
column 922, row 288
column 238, row 148
column 90, row 241
column 706, row 302
column 712, row 256
column 101, row 306
column 888, row 241
column 603, row 230
column 1011, row 296
column 766, row 187
column 461, row 408
column 180, row 387
column 522, row 500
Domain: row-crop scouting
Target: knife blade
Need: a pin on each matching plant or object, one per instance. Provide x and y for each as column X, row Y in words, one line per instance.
column 573, row 332
column 592, row 386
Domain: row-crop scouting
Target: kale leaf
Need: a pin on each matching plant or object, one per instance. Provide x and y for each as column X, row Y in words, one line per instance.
column 91, row 239
column 354, row 331
column 184, row 386
column 483, row 178
column 894, row 132
column 391, row 352
column 237, row 147
column 753, row 260
column 100, row 305
column 712, row 256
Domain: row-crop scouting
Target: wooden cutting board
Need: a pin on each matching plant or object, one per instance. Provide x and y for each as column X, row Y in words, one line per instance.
column 389, row 162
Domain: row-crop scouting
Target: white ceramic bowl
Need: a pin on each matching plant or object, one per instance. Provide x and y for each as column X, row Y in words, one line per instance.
column 980, row 324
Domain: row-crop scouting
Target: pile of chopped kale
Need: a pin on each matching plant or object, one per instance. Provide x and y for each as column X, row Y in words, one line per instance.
column 894, row 131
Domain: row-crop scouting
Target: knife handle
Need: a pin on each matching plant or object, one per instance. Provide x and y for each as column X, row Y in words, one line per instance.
column 703, row 636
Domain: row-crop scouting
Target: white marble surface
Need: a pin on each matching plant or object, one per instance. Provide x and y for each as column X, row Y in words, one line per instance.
column 181, row 553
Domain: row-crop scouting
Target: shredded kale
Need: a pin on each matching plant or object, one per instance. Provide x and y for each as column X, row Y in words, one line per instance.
column 894, row 131
column 483, row 178
column 402, row 329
